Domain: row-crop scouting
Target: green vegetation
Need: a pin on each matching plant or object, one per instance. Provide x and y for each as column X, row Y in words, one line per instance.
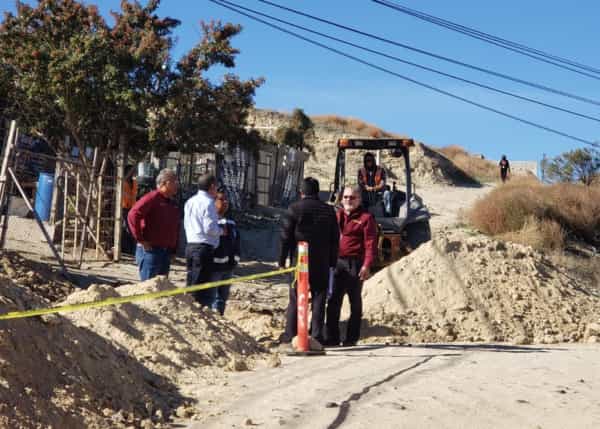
column 579, row 165
column 65, row 71
column 297, row 133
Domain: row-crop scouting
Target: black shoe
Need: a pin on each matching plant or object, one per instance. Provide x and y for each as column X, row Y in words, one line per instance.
column 348, row 343
column 331, row 343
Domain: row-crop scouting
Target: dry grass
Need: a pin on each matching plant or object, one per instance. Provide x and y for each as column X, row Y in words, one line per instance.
column 352, row 125
column 476, row 167
column 543, row 216
column 545, row 234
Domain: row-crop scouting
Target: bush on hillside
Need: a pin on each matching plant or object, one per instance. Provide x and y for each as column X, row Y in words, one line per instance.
column 474, row 166
column 353, row 125
column 542, row 216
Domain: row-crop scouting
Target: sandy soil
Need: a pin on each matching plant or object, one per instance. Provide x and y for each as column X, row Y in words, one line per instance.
column 435, row 386
column 378, row 385
column 446, row 203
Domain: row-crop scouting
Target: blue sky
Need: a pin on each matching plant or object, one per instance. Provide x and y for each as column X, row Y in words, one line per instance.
column 300, row 75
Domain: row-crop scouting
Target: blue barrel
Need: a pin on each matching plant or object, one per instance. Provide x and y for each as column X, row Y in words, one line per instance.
column 43, row 195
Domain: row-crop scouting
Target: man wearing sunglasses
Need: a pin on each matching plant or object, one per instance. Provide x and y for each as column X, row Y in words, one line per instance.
column 357, row 252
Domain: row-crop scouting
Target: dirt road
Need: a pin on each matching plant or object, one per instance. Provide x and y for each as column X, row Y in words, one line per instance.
column 434, row 386
column 445, row 203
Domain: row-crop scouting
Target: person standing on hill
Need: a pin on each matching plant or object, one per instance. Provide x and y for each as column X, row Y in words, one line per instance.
column 154, row 223
column 357, row 252
column 504, row 168
column 313, row 221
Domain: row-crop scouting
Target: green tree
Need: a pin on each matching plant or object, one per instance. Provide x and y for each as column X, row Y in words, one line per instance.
column 298, row 132
column 579, row 165
column 65, row 71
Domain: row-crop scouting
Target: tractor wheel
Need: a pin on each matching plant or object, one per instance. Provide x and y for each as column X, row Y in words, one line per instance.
column 418, row 233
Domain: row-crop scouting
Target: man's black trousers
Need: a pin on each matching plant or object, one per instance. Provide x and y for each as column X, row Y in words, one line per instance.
column 199, row 262
column 318, row 300
column 346, row 282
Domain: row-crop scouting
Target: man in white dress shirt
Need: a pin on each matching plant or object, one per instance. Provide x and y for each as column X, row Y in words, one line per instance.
column 202, row 232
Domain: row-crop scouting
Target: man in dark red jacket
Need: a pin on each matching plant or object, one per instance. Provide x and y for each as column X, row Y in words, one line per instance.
column 154, row 223
column 357, row 252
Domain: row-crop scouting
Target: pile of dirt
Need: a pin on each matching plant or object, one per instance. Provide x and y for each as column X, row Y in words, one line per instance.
column 259, row 309
column 55, row 374
column 38, row 277
column 463, row 286
column 172, row 337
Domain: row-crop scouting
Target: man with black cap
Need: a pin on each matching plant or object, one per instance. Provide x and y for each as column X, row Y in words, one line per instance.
column 371, row 179
column 313, row 221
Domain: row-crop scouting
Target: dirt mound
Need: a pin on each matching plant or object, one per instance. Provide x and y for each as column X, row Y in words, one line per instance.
column 431, row 167
column 172, row 337
column 259, row 309
column 54, row 374
column 35, row 276
column 468, row 287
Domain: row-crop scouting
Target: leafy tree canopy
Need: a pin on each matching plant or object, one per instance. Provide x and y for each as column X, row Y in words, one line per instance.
column 298, row 132
column 579, row 165
column 65, row 71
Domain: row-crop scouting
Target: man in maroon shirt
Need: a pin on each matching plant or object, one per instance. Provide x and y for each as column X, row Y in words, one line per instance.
column 154, row 223
column 357, row 252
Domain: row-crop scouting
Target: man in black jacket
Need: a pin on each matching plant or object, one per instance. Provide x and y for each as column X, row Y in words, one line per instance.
column 313, row 221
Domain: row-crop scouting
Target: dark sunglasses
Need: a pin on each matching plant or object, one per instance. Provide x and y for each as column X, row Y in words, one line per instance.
column 349, row 197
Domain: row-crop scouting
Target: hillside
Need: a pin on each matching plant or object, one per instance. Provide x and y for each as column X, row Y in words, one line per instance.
column 429, row 165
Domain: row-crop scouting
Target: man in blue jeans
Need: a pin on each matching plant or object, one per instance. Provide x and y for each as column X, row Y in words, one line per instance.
column 154, row 223
column 226, row 256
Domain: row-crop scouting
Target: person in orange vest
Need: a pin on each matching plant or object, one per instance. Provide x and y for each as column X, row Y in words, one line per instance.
column 128, row 200
column 371, row 179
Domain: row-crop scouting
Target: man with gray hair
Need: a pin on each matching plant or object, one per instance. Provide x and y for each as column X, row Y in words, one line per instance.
column 357, row 253
column 154, row 223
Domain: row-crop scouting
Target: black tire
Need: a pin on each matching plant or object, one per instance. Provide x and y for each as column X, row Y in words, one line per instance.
column 418, row 233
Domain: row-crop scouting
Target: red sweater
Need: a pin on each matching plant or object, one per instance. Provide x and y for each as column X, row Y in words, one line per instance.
column 155, row 219
column 358, row 236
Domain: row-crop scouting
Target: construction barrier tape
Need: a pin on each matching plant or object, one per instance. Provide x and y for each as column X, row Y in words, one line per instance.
column 140, row 297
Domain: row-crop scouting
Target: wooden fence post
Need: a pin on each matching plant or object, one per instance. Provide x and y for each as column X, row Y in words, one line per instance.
column 118, row 198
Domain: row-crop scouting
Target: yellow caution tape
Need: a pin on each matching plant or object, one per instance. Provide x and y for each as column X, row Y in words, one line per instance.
column 140, row 297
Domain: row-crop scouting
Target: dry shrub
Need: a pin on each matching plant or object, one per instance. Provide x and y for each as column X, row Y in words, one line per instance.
column 352, row 125
column 476, row 167
column 544, row 234
column 542, row 216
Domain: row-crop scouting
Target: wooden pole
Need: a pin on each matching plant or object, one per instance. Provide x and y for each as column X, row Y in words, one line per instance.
column 76, row 224
column 8, row 147
column 118, row 199
column 53, row 204
column 65, row 219
column 98, row 216
column 89, row 230
column 11, row 142
column 38, row 220
column 88, row 201
column 55, row 196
